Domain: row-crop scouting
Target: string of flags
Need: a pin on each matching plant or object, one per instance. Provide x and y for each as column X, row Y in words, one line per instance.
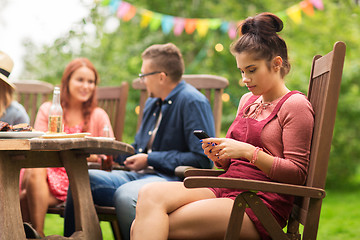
column 177, row 25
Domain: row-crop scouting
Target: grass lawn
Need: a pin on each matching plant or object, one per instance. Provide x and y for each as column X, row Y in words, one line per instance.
column 54, row 225
column 339, row 218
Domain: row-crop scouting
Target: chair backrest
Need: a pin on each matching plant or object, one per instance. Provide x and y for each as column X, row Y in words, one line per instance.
column 324, row 89
column 212, row 86
column 113, row 101
column 31, row 94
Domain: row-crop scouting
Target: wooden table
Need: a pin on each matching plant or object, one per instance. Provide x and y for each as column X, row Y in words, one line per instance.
column 37, row 152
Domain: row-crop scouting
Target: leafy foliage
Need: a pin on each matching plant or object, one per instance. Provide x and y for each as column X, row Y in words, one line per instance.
column 116, row 54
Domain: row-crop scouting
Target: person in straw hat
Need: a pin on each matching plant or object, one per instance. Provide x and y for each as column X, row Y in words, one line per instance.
column 11, row 111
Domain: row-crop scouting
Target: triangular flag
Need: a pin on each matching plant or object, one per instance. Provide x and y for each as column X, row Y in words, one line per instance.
column 318, row 4
column 307, row 7
column 232, row 31
column 145, row 18
column 105, row 2
column 155, row 22
column 202, row 26
column 129, row 14
column 224, row 27
column 214, row 23
column 179, row 24
column 114, row 5
column 167, row 23
column 190, row 25
column 123, row 8
column 294, row 13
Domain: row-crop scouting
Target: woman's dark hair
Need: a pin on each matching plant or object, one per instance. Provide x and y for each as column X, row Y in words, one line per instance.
column 258, row 36
column 91, row 103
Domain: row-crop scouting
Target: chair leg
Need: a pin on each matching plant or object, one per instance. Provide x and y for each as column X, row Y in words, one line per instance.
column 264, row 215
column 236, row 219
column 115, row 229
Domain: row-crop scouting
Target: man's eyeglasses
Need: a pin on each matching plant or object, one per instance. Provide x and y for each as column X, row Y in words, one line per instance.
column 142, row 76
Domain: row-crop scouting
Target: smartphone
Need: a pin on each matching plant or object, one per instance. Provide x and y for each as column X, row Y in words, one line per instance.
column 201, row 134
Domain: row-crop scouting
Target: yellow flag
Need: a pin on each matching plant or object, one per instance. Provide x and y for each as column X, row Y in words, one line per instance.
column 202, row 26
column 145, row 18
column 294, row 13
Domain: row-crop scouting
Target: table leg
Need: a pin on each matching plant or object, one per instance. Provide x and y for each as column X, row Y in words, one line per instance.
column 11, row 226
column 86, row 219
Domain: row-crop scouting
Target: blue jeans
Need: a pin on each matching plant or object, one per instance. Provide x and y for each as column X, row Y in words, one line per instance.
column 116, row 188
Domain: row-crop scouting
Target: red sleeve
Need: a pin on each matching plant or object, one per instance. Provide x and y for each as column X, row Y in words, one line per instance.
column 296, row 119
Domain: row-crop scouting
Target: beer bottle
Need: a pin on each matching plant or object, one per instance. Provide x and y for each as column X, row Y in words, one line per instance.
column 55, row 114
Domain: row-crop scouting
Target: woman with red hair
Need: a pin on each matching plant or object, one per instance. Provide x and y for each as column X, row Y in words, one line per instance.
column 44, row 187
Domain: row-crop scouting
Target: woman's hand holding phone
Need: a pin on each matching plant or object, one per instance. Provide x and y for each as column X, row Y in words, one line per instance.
column 211, row 150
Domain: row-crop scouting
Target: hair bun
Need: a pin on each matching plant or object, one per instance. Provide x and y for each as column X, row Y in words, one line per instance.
column 263, row 24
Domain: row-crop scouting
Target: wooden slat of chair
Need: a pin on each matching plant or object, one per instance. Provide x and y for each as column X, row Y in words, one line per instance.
column 31, row 94
column 113, row 101
column 324, row 89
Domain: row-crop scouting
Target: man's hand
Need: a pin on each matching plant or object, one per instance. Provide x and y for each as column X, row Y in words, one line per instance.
column 137, row 162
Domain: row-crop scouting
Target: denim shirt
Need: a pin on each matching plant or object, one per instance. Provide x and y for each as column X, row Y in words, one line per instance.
column 184, row 110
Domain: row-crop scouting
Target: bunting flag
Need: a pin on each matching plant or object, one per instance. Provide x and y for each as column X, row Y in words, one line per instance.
column 177, row 25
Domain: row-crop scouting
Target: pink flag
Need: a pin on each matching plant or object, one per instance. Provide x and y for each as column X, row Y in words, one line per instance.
column 318, row 4
column 179, row 24
column 124, row 7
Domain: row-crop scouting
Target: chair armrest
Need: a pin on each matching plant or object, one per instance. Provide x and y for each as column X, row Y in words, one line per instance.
column 187, row 171
column 254, row 185
column 181, row 170
column 202, row 172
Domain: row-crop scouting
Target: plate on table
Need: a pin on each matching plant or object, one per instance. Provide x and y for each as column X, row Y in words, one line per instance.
column 21, row 134
column 101, row 138
column 65, row 135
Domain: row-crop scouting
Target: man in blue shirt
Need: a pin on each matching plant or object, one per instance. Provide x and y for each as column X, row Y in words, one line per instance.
column 164, row 141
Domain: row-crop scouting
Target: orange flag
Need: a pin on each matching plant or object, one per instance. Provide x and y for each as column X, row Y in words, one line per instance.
column 307, row 7
column 129, row 14
column 190, row 25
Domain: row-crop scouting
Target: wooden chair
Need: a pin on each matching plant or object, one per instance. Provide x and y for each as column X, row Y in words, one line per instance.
column 113, row 101
column 212, row 86
column 31, row 94
column 323, row 94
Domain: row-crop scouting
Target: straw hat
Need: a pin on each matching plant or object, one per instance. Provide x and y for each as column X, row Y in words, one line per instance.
column 6, row 66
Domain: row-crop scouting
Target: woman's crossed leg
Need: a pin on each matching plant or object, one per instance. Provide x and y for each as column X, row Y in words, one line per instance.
column 171, row 211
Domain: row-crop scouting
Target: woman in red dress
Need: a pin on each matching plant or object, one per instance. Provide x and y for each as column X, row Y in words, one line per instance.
column 269, row 140
column 43, row 187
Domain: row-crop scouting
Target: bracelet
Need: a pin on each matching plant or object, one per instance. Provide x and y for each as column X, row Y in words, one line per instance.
column 254, row 156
